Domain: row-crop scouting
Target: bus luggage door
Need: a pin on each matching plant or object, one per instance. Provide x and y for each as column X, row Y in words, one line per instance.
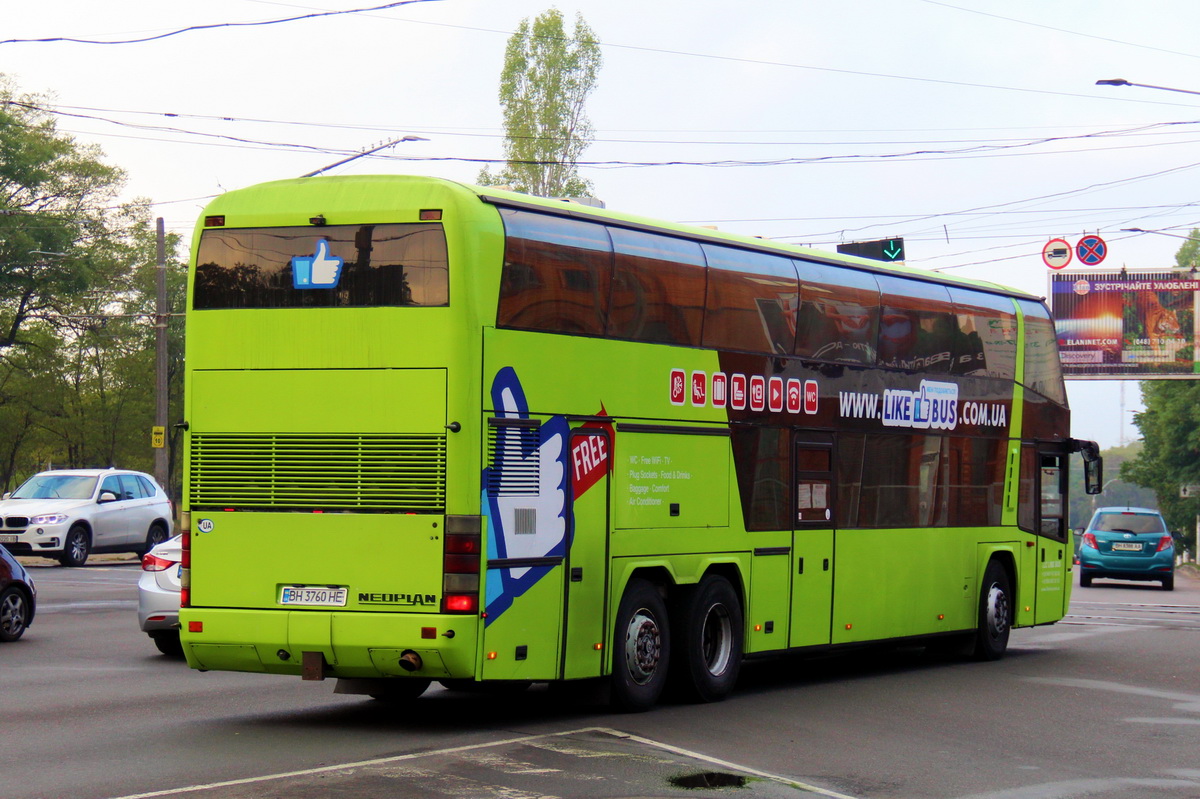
column 812, row 539
column 586, row 571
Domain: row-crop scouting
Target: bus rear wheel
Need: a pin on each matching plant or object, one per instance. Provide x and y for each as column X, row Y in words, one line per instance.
column 399, row 691
column 707, row 652
column 642, row 645
column 995, row 613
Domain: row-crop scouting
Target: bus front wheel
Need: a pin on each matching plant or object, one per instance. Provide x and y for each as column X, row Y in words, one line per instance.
column 642, row 645
column 995, row 613
column 708, row 639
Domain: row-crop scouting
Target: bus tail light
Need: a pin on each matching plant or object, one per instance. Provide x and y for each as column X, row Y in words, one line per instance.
column 462, row 551
column 185, row 560
column 1166, row 542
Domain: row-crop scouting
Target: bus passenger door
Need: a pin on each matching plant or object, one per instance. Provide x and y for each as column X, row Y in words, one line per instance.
column 812, row 539
column 586, row 571
column 1052, row 542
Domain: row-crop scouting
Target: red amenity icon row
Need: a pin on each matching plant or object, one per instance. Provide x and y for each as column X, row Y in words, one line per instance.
column 739, row 392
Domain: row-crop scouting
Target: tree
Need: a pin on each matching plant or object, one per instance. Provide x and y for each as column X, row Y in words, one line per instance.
column 76, row 302
column 1170, row 427
column 545, row 83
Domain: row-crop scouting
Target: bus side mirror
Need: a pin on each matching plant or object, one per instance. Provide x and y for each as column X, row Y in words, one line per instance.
column 1093, row 467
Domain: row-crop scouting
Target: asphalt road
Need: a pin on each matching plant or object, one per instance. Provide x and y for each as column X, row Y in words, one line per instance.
column 1106, row 703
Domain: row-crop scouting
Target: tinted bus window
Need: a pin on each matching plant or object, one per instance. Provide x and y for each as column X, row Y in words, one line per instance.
column 1043, row 370
column 658, row 288
column 763, row 459
column 751, row 301
column 987, row 334
column 903, row 482
column 379, row 265
column 976, row 481
column 917, row 328
column 557, row 274
column 839, row 314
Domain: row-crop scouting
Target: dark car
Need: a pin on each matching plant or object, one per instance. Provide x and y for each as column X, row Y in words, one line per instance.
column 1127, row 544
column 18, row 597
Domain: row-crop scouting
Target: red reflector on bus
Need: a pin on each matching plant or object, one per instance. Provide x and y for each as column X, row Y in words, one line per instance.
column 431, row 214
column 429, row 632
column 462, row 564
column 463, row 543
column 214, row 221
column 195, row 626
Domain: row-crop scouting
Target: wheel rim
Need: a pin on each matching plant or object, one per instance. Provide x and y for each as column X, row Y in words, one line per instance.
column 12, row 614
column 76, row 546
column 997, row 612
column 716, row 639
column 643, row 646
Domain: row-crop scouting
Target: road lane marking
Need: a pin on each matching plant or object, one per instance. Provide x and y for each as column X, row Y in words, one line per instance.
column 525, row 739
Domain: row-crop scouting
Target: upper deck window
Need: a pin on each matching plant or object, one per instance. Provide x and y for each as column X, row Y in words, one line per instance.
column 557, row 274
column 379, row 265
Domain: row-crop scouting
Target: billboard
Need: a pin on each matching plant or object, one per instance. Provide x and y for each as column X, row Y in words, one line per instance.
column 1125, row 323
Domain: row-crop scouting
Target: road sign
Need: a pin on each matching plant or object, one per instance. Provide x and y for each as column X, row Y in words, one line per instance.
column 158, row 436
column 1056, row 254
column 1189, row 492
column 1091, row 250
column 879, row 250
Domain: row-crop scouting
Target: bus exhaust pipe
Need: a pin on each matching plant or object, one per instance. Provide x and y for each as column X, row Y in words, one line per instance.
column 410, row 660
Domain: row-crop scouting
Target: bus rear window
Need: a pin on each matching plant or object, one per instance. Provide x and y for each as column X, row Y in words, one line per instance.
column 377, row 265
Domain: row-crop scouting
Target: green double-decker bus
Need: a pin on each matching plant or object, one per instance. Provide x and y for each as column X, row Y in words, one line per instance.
column 437, row 432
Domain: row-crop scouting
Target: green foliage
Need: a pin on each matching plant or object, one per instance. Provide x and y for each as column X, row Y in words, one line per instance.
column 544, row 85
column 1170, row 427
column 77, row 271
column 1188, row 256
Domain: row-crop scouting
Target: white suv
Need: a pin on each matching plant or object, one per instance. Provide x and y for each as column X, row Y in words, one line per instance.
column 69, row 514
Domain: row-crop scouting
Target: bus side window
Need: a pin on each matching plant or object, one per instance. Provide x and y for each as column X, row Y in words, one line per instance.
column 658, row 288
column 839, row 314
column 752, row 300
column 557, row 274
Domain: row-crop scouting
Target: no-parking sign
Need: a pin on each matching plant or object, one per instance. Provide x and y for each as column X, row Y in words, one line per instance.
column 1091, row 250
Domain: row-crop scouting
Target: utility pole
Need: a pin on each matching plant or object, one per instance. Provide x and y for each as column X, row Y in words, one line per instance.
column 161, row 315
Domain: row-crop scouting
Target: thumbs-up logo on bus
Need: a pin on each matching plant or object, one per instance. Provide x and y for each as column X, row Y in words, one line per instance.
column 319, row 271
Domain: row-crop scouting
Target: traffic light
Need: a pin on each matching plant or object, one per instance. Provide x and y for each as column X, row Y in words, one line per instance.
column 880, row 250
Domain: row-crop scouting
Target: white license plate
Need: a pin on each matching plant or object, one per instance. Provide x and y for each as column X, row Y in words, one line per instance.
column 8, row 539
column 312, row 595
column 1126, row 546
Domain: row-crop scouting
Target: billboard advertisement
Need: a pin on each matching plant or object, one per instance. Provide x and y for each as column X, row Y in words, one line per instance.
column 1125, row 323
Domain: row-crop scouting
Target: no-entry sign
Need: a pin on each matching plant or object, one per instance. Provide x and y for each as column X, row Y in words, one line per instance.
column 1056, row 254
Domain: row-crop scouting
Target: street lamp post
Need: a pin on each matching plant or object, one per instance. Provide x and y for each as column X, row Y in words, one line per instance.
column 1123, row 82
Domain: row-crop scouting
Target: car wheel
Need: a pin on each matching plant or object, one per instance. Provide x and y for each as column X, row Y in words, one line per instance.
column 157, row 534
column 14, row 614
column 641, row 648
column 707, row 653
column 77, row 547
column 995, row 613
column 1085, row 580
column 401, row 690
column 1168, row 582
column 167, row 642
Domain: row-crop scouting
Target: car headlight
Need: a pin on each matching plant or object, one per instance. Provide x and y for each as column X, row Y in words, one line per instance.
column 48, row 518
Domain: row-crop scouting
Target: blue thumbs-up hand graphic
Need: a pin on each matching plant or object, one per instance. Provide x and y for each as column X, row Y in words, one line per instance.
column 320, row 271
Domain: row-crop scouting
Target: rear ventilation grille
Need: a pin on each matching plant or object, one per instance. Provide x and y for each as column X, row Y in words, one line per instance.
column 403, row 474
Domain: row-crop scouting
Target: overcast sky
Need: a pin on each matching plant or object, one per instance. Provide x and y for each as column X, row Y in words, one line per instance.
column 973, row 129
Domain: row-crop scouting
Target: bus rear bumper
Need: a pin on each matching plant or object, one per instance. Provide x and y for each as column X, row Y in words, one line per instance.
column 350, row 645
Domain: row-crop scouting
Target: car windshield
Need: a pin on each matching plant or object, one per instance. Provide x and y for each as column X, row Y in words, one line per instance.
column 56, row 486
column 1129, row 523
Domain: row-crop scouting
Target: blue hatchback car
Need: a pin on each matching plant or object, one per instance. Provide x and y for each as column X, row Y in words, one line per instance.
column 1127, row 544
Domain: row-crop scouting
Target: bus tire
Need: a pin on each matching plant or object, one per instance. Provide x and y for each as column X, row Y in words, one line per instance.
column 995, row 613
column 641, row 648
column 707, row 654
